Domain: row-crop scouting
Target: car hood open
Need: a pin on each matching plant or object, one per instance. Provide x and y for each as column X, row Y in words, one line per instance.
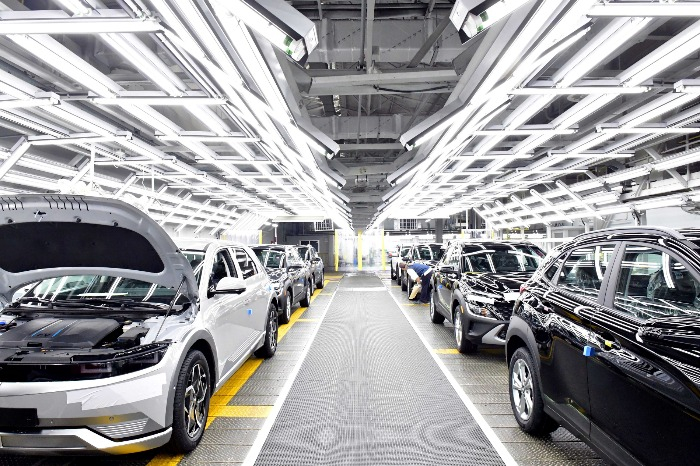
column 45, row 236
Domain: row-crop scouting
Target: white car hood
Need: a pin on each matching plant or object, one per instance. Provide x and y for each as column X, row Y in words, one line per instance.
column 44, row 236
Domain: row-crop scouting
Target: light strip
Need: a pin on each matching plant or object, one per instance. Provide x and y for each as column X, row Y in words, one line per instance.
column 583, row 90
column 28, row 103
column 236, row 139
column 155, row 101
column 638, row 9
column 79, row 26
column 623, row 130
column 520, row 132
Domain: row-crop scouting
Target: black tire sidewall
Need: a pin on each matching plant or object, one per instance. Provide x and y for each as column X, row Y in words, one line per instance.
column 539, row 422
column 180, row 441
column 266, row 351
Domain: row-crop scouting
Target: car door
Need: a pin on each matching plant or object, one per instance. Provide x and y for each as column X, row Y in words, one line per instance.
column 297, row 272
column 445, row 280
column 255, row 297
column 570, row 306
column 226, row 312
column 639, row 395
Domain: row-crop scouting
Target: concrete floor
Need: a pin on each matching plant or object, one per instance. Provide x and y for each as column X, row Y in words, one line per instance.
column 239, row 409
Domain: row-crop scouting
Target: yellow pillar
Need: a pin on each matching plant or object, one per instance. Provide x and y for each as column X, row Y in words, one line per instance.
column 383, row 250
column 259, row 236
column 359, row 250
column 336, row 247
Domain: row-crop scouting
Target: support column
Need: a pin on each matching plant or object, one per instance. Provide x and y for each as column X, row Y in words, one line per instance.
column 336, row 249
column 359, row 250
column 439, row 226
column 383, row 253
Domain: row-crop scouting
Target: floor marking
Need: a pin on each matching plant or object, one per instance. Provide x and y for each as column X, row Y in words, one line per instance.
column 220, row 399
column 307, row 320
column 446, row 351
column 267, row 427
column 488, row 431
column 415, row 304
column 240, row 411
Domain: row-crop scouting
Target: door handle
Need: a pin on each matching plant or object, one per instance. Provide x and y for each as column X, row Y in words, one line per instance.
column 247, row 301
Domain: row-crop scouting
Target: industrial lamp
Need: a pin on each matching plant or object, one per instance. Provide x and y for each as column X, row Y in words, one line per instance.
column 280, row 23
column 470, row 17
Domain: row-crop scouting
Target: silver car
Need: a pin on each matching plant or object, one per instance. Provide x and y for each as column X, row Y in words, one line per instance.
column 122, row 336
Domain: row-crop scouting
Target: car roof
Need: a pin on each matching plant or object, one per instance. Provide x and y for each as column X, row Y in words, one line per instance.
column 196, row 244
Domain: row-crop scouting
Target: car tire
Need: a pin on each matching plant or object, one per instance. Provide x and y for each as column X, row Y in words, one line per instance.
column 435, row 316
column 409, row 287
column 286, row 315
column 269, row 347
column 526, row 396
column 398, row 276
column 191, row 403
column 404, row 282
column 463, row 344
column 307, row 296
column 321, row 283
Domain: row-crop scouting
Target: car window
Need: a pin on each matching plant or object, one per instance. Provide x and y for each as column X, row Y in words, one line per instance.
column 304, row 252
column 245, row 263
column 551, row 272
column 584, row 270
column 424, row 253
column 437, row 251
column 405, row 251
column 293, row 257
column 652, row 283
column 222, row 267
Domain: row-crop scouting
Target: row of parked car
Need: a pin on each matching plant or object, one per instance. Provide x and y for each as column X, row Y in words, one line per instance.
column 601, row 336
column 113, row 337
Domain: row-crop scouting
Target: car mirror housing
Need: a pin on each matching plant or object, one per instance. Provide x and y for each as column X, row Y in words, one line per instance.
column 230, row 285
column 296, row 266
column 447, row 269
column 316, row 260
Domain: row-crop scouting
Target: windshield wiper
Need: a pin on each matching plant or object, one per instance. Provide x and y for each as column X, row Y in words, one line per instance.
column 121, row 302
column 51, row 304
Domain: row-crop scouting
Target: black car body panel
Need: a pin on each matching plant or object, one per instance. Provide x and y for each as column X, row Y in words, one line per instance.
column 314, row 262
column 486, row 291
column 291, row 276
column 612, row 321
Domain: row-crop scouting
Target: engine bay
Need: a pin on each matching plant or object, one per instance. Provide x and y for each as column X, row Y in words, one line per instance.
column 36, row 347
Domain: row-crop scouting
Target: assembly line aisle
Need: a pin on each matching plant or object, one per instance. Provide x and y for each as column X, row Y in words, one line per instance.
column 370, row 393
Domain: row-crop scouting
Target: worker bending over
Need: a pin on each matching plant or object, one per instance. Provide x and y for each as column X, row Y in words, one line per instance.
column 424, row 273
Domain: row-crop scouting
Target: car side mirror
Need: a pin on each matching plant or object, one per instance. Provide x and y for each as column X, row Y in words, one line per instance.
column 316, row 260
column 296, row 266
column 230, row 285
column 447, row 269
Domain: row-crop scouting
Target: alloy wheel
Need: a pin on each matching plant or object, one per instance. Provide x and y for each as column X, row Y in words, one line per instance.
column 432, row 307
column 288, row 307
column 272, row 327
column 458, row 327
column 521, row 383
column 195, row 400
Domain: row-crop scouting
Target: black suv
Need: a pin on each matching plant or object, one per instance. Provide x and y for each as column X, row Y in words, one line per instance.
column 605, row 340
column 314, row 262
column 475, row 285
column 289, row 274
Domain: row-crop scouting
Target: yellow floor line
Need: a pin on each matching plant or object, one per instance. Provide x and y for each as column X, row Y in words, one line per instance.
column 446, row 351
column 307, row 320
column 415, row 304
column 218, row 406
column 240, row 411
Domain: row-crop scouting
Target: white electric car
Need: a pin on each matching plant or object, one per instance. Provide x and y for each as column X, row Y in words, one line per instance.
column 121, row 336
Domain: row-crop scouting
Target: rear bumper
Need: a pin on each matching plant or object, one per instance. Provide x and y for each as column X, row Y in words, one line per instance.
column 76, row 441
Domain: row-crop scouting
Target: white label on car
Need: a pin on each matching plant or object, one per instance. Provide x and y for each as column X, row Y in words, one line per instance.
column 511, row 296
column 480, row 299
column 119, row 394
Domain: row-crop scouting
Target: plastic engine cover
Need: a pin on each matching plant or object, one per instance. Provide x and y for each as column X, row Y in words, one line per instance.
column 51, row 332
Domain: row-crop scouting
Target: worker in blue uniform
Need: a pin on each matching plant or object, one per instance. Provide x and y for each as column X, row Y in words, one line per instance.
column 424, row 273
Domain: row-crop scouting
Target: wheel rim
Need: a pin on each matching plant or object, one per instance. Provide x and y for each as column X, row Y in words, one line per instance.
column 288, row 307
column 308, row 295
column 195, row 400
column 272, row 329
column 458, row 327
column 432, row 306
column 521, row 386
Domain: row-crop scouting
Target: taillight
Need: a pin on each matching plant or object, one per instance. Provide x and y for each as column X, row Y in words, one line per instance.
column 523, row 288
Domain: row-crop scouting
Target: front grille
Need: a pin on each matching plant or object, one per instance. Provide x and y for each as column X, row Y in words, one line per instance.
column 123, row 429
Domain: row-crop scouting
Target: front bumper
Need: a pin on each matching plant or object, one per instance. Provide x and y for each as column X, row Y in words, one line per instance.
column 122, row 414
column 485, row 331
column 76, row 441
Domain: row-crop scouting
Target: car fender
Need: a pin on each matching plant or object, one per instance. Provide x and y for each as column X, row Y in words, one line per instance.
column 519, row 328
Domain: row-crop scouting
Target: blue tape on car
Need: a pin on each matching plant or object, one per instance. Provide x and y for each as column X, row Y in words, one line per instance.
column 588, row 351
column 250, row 312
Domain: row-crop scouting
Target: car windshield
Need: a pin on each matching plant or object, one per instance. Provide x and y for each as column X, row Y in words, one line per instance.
column 430, row 252
column 501, row 258
column 270, row 258
column 105, row 288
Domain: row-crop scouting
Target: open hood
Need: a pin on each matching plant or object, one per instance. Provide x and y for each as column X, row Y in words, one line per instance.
column 45, row 236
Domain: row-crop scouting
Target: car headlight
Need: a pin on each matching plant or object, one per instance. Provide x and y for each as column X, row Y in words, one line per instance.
column 482, row 310
column 124, row 362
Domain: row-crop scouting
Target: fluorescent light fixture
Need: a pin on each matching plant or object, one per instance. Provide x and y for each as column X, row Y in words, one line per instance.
column 644, row 9
column 625, row 175
column 687, row 86
column 285, row 27
column 29, row 103
column 583, row 90
column 79, row 138
column 653, row 130
column 677, row 160
column 658, row 203
column 17, row 151
column 206, row 138
column 591, row 155
column 521, row 132
column 79, row 26
column 139, row 162
column 77, row 7
column 471, row 17
column 155, row 101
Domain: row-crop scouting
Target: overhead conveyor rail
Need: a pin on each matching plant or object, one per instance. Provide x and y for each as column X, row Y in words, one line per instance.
column 369, row 392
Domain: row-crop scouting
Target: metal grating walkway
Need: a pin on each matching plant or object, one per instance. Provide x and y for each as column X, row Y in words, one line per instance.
column 370, row 393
